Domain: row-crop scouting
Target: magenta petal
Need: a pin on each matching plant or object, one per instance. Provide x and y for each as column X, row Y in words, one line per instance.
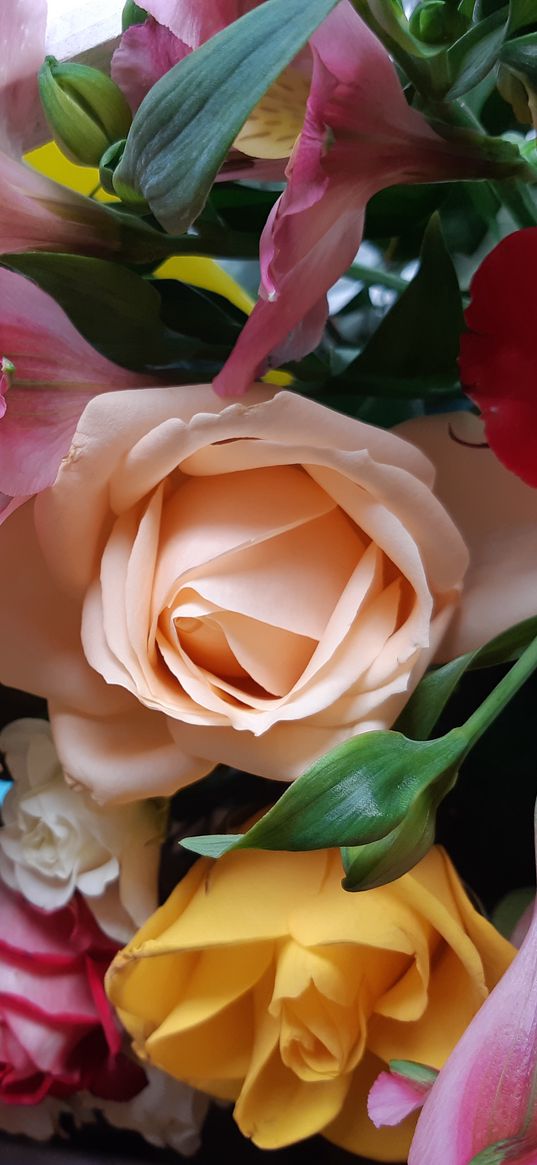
column 485, row 1093
column 22, row 48
column 145, row 53
column 393, row 1097
column 359, row 136
column 194, row 21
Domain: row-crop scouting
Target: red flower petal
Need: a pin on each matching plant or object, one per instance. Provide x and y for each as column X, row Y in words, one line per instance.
column 497, row 358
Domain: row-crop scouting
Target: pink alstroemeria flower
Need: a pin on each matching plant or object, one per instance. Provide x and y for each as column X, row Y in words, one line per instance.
column 482, row 1108
column 359, row 136
column 48, row 373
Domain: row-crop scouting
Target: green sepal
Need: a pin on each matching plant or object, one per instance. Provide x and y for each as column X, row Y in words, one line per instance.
column 188, row 121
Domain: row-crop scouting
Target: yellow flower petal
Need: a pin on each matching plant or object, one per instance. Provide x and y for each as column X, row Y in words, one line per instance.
column 274, row 125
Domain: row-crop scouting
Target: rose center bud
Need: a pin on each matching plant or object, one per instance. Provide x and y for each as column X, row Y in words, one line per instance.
column 322, row 1023
column 237, row 556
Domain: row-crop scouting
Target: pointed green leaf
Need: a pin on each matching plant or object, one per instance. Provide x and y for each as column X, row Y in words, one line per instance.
column 476, row 53
column 419, row 336
column 190, row 118
column 211, row 845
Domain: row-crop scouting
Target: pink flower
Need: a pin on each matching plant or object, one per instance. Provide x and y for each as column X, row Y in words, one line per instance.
column 359, row 136
column 49, row 373
column 481, row 1107
column 398, row 1093
column 58, row 1033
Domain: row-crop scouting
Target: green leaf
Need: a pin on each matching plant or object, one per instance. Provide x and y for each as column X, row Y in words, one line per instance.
column 521, row 12
column 400, row 208
column 380, row 862
column 521, row 57
column 476, row 53
column 419, row 336
column 117, row 311
column 190, row 118
column 211, row 845
column 429, row 699
column 357, row 794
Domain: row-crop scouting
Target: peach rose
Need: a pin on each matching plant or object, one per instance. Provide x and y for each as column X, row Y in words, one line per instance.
column 247, row 583
column 261, row 981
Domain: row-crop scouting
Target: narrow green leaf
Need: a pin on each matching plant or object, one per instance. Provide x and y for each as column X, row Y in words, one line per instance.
column 190, row 118
column 429, row 699
column 476, row 53
column 521, row 57
column 211, row 845
column 419, row 336
column 521, row 12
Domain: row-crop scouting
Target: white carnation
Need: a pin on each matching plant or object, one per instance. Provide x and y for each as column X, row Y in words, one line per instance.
column 56, row 840
column 166, row 1112
column 40, row 1121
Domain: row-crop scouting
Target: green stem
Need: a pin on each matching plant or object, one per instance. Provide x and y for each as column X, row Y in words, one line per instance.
column 491, row 707
column 371, row 275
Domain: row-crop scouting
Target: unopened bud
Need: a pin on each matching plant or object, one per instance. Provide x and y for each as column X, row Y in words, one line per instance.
column 435, row 22
column 85, row 110
column 132, row 14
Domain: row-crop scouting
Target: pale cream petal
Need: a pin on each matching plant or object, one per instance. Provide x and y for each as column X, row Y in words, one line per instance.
column 496, row 514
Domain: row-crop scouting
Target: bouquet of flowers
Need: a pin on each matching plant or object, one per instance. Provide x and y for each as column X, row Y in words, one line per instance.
column 268, row 545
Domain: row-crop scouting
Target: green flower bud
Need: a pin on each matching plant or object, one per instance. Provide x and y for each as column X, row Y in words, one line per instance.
column 85, row 110
column 132, row 14
column 435, row 22
column 110, row 159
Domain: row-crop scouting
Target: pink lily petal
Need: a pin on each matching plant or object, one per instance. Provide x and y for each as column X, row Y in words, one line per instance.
column 146, row 51
column 394, row 1097
column 484, row 1096
column 194, row 21
column 55, row 373
column 359, row 136
column 22, row 29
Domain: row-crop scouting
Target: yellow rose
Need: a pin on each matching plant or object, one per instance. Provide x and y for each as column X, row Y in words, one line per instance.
column 262, row 981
